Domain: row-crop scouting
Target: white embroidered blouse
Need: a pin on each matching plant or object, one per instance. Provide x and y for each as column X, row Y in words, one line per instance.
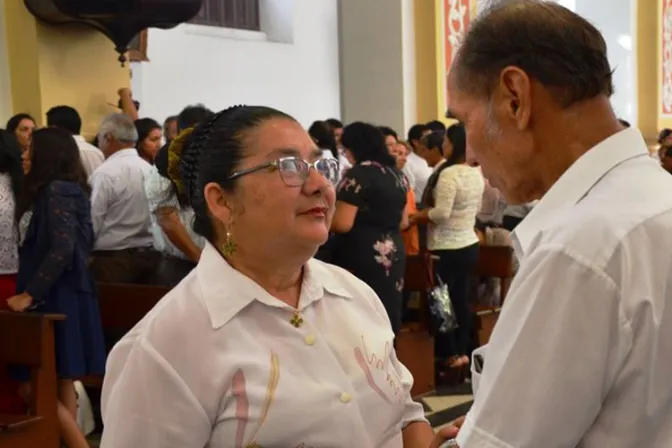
column 9, row 240
column 457, row 200
column 221, row 363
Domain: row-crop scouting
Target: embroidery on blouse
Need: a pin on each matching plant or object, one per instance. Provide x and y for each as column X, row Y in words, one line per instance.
column 242, row 406
column 271, row 387
column 386, row 250
column 348, row 183
column 367, row 362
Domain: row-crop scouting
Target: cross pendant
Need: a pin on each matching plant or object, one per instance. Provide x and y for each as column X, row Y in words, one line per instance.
column 297, row 320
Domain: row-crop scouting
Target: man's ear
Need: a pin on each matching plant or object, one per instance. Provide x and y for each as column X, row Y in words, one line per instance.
column 515, row 92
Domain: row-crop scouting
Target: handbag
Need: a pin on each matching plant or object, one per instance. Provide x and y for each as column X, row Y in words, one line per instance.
column 441, row 310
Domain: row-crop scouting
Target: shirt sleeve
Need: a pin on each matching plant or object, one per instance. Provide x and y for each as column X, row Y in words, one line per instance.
column 552, row 358
column 159, row 191
column 354, row 187
column 446, row 190
column 146, row 404
column 101, row 197
column 62, row 207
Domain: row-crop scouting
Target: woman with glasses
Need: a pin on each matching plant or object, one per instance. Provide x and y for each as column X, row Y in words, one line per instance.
column 261, row 345
column 370, row 213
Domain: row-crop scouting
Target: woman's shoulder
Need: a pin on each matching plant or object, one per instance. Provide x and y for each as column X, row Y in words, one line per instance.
column 63, row 188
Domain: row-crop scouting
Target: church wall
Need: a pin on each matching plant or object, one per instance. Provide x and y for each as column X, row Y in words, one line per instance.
column 219, row 67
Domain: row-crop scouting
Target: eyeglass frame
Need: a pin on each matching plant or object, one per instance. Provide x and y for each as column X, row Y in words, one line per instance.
column 276, row 164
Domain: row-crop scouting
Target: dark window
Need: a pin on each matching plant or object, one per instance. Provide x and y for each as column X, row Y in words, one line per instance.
column 240, row 14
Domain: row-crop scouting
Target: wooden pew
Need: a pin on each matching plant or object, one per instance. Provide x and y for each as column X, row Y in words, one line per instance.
column 494, row 262
column 122, row 306
column 414, row 344
column 28, row 339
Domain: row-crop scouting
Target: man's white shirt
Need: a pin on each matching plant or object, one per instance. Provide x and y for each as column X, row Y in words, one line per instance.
column 582, row 353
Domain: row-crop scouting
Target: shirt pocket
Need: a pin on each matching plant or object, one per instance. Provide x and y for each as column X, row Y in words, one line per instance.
column 477, row 366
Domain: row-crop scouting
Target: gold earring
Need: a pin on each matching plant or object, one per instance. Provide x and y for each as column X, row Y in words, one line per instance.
column 229, row 246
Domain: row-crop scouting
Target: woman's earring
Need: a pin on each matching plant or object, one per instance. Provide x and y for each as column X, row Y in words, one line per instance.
column 229, row 246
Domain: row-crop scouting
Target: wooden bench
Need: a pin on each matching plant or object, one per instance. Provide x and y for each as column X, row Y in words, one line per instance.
column 28, row 339
column 415, row 344
column 122, row 306
column 493, row 262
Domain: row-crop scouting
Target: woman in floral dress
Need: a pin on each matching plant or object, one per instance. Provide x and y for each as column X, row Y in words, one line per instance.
column 371, row 199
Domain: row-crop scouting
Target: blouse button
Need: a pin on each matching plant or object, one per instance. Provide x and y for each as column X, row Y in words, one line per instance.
column 310, row 339
column 345, row 397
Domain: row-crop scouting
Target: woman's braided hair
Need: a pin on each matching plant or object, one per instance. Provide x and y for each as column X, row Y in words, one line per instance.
column 214, row 153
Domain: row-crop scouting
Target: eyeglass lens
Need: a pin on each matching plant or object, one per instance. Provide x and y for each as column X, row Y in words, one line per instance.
column 294, row 171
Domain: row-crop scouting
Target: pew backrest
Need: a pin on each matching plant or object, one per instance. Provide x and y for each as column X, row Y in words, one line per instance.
column 123, row 305
column 28, row 339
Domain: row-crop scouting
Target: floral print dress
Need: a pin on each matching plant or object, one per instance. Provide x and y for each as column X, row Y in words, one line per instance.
column 373, row 249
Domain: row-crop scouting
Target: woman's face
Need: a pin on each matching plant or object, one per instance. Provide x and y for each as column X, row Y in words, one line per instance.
column 24, row 131
column 26, row 158
column 400, row 153
column 447, row 148
column 263, row 213
column 152, row 143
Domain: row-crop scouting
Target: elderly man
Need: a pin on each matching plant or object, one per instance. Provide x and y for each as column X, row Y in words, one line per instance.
column 123, row 248
column 581, row 353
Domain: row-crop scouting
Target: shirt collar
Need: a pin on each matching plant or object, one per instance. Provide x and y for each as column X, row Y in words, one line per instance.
column 575, row 184
column 125, row 153
column 226, row 291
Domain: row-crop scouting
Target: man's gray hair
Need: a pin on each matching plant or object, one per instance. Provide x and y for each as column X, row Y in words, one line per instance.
column 121, row 127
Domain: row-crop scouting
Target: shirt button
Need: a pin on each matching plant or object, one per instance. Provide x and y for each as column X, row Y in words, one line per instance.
column 345, row 397
column 310, row 339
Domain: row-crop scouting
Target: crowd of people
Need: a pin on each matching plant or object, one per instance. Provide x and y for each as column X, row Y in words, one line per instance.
column 285, row 251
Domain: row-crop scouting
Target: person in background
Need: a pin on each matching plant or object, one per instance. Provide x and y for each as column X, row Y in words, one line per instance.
column 492, row 209
column 53, row 215
column 337, row 128
column 123, row 250
column 580, row 355
column 370, row 213
column 410, row 234
column 172, row 215
column 515, row 213
column 22, row 126
column 417, row 171
column 289, row 336
column 391, row 138
column 11, row 180
column 452, row 198
column 170, row 129
column 436, row 126
column 67, row 118
column 323, row 136
column 666, row 161
column 149, row 138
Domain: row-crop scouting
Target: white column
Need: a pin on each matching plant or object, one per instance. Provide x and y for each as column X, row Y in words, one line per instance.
column 377, row 60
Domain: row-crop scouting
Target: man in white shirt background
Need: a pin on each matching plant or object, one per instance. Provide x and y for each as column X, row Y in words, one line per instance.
column 581, row 353
column 123, row 251
column 67, row 118
column 416, row 167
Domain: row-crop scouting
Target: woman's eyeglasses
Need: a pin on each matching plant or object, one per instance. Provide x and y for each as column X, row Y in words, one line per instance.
column 294, row 170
